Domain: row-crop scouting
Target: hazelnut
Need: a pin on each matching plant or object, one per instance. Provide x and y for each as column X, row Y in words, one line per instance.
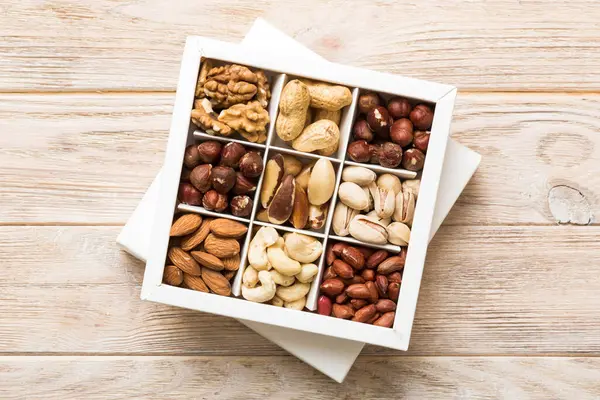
column 223, row 179
column 251, row 164
column 201, row 177
column 188, row 194
column 214, row 201
column 390, row 155
column 191, row 157
column 185, row 174
column 231, row 154
column 243, row 185
column 374, row 153
column 422, row 117
column 209, row 151
column 361, row 131
column 358, row 151
column 421, row 140
column 379, row 121
column 241, row 206
column 401, row 132
column 413, row 160
column 367, row 101
column 399, row 107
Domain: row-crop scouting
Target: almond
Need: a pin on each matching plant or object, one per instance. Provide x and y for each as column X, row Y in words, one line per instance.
column 195, row 283
column 216, row 282
column 221, row 247
column 228, row 228
column 185, row 224
column 191, row 241
column 184, row 261
column 208, row 260
column 232, row 263
column 172, row 275
column 229, row 274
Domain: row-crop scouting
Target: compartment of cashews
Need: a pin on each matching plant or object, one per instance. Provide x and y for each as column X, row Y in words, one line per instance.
column 289, row 259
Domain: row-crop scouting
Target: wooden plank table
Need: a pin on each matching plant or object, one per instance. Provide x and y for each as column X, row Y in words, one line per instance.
column 510, row 301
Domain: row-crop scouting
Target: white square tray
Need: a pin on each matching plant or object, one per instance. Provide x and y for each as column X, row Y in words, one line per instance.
column 282, row 66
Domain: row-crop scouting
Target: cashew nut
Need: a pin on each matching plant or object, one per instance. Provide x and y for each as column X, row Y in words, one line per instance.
column 302, row 248
column 296, row 305
column 281, row 262
column 250, row 277
column 282, row 279
column 294, row 292
column 277, row 302
column 262, row 293
column 257, row 253
column 308, row 273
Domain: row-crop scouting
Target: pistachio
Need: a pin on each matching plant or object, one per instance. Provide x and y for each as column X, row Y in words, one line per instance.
column 398, row 233
column 368, row 193
column 360, row 175
column 374, row 217
column 353, row 196
column 412, row 185
column 366, row 230
column 389, row 182
column 383, row 200
column 341, row 219
column 405, row 207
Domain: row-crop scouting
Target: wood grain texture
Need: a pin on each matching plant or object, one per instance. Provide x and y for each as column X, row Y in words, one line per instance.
column 136, row 45
column 288, row 378
column 486, row 290
column 531, row 144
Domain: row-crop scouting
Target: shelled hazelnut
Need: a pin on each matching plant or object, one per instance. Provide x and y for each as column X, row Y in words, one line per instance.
column 421, row 140
column 387, row 131
column 214, row 182
column 422, row 117
column 369, row 298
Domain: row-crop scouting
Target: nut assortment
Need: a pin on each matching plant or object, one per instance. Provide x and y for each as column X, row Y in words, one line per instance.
column 374, row 208
column 281, row 264
column 239, row 95
column 309, row 115
column 391, row 135
column 220, row 177
column 280, row 269
column 204, row 253
column 361, row 284
column 296, row 193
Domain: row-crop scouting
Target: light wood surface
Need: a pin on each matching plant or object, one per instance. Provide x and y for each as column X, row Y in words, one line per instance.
column 510, row 300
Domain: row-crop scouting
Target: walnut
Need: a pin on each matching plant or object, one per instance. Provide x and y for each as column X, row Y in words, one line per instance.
column 250, row 120
column 264, row 93
column 205, row 118
column 206, row 66
column 229, row 85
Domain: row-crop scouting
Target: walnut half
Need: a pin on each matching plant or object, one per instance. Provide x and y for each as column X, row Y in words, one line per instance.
column 228, row 85
column 250, row 120
column 206, row 119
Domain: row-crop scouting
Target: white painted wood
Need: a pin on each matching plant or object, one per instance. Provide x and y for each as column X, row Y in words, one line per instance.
column 485, row 290
column 492, row 45
column 530, row 144
column 159, row 377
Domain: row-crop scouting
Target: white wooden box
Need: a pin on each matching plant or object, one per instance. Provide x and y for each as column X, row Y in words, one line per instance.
column 281, row 68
